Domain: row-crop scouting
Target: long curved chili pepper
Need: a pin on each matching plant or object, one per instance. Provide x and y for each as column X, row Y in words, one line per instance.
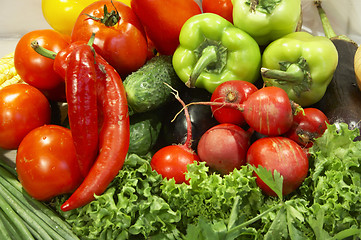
column 113, row 121
column 81, row 95
column 113, row 136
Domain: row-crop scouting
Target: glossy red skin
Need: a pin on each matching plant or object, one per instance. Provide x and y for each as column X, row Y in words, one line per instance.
column 57, row 93
column 224, row 147
column 268, row 111
column 163, row 20
column 281, row 154
column 152, row 51
column 224, row 8
column 33, row 68
column 46, row 162
column 235, row 91
column 22, row 108
column 81, row 95
column 124, row 45
column 311, row 124
column 172, row 161
column 113, row 136
column 61, row 60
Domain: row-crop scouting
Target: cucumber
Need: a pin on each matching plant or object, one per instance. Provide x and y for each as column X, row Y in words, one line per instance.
column 144, row 132
column 145, row 87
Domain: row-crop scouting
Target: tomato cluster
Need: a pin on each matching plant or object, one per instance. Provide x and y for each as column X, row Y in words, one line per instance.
column 286, row 131
column 244, row 113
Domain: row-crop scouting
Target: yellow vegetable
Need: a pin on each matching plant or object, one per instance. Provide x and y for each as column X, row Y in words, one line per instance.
column 357, row 65
column 62, row 14
column 8, row 74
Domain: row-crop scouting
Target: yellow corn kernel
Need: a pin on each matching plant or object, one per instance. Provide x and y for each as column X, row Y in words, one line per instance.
column 8, row 74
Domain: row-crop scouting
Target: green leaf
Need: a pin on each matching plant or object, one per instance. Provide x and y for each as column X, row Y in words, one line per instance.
column 334, row 184
column 273, row 181
column 294, row 218
column 193, row 232
column 278, row 229
column 234, row 213
column 347, row 233
column 316, row 222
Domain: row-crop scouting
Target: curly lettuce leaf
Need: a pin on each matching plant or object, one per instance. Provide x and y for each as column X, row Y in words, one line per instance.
column 335, row 181
column 139, row 203
column 211, row 195
column 131, row 207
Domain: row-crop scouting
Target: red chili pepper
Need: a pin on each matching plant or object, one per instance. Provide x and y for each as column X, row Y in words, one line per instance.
column 113, row 137
column 113, row 119
column 61, row 59
column 81, row 95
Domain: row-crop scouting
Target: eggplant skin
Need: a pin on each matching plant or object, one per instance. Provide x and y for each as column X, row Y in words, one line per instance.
column 201, row 117
column 342, row 100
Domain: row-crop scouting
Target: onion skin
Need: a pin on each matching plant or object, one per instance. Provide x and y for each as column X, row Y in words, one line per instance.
column 357, row 66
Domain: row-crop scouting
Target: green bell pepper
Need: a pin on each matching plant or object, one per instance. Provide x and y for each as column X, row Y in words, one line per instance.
column 301, row 64
column 212, row 51
column 267, row 20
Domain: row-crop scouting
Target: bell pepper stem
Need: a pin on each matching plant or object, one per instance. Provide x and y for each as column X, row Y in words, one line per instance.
column 253, row 5
column 209, row 55
column 294, row 75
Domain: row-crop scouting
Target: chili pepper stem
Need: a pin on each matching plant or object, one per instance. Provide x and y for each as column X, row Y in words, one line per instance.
column 209, row 55
column 327, row 28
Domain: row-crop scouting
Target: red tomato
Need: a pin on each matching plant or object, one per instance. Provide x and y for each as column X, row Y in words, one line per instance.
column 224, row 147
column 22, row 108
column 281, row 154
column 163, row 20
column 33, row 68
column 268, row 111
column 234, row 91
column 172, row 161
column 308, row 126
column 46, row 162
column 122, row 43
column 223, row 8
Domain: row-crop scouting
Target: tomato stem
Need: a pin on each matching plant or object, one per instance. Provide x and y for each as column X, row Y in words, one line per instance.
column 109, row 18
column 42, row 51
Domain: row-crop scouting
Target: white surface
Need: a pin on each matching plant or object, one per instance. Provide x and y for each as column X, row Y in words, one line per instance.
column 17, row 18
column 344, row 16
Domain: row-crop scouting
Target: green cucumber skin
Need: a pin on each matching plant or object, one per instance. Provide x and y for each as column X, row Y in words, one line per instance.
column 145, row 88
column 144, row 132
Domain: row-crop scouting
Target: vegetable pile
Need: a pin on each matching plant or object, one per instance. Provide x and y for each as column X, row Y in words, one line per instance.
column 139, row 204
column 164, row 120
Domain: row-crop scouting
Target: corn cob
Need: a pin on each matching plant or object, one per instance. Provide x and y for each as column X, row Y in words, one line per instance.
column 8, row 74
